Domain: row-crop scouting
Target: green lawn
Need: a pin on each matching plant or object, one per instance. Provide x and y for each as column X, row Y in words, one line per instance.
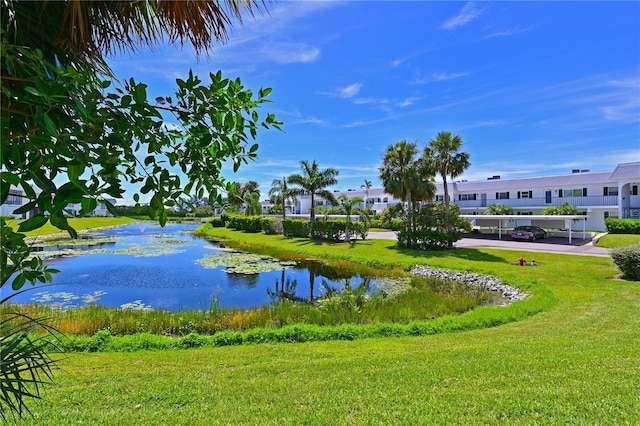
column 78, row 224
column 617, row 240
column 578, row 362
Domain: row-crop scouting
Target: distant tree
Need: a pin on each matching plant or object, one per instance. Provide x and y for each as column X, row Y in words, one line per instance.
column 280, row 193
column 407, row 177
column 404, row 176
column 314, row 181
column 350, row 206
column 442, row 156
column 497, row 209
column 252, row 204
column 366, row 186
column 565, row 209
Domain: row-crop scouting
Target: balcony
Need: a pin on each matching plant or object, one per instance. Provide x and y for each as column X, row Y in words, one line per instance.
column 541, row 202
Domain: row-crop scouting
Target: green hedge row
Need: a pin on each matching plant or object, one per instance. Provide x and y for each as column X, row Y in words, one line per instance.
column 269, row 225
column 622, row 226
column 393, row 225
column 332, row 230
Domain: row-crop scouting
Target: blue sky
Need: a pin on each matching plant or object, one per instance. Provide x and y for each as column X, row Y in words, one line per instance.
column 533, row 88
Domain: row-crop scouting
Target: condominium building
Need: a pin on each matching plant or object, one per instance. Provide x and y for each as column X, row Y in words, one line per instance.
column 597, row 195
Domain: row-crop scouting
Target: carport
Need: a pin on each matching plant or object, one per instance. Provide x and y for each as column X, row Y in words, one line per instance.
column 543, row 221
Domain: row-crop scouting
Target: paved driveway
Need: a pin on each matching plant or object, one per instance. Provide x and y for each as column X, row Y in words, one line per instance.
column 549, row 245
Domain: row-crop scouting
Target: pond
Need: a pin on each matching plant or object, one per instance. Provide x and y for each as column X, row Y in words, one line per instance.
column 145, row 266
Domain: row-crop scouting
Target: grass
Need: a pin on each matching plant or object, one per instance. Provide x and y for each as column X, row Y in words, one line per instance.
column 618, row 240
column 78, row 224
column 578, row 362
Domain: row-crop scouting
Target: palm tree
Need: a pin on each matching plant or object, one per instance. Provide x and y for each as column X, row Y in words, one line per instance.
column 404, row 176
column 314, row 181
column 366, row 186
column 442, row 157
column 350, row 206
column 281, row 193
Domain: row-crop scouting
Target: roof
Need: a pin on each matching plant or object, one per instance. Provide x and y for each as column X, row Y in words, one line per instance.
column 566, row 180
column 626, row 171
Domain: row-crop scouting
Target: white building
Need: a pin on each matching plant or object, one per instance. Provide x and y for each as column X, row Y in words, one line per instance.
column 598, row 195
column 17, row 198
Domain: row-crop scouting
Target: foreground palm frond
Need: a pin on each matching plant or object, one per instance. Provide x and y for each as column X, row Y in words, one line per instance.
column 24, row 363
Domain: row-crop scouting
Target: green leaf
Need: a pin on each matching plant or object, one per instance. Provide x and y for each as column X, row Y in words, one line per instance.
column 26, row 207
column 33, row 223
column 111, row 208
column 140, row 93
column 10, row 178
column 74, row 171
column 88, row 205
column 33, row 91
column 163, row 217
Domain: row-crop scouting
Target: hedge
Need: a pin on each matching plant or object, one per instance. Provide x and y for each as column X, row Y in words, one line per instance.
column 622, row 226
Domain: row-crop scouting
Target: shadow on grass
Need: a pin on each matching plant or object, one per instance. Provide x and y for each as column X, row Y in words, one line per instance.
column 462, row 253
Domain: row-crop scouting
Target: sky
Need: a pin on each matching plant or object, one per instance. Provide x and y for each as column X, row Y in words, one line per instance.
column 533, row 88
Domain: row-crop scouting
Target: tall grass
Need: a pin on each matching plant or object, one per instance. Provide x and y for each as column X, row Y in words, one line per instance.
column 423, row 300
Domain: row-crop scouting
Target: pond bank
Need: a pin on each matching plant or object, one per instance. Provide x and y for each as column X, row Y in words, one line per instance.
column 486, row 282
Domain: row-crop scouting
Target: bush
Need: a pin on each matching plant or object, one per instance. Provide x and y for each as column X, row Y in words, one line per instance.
column 296, row 228
column 622, row 226
column 271, row 225
column 245, row 223
column 627, row 259
column 217, row 222
column 432, row 228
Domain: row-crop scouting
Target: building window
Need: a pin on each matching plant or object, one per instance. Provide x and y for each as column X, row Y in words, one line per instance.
column 385, row 200
column 525, row 194
column 502, row 195
column 14, row 198
column 580, row 192
column 463, row 197
column 610, row 190
column 634, row 190
column 440, row 198
column 318, row 203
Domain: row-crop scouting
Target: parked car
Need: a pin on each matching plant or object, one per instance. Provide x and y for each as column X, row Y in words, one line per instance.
column 530, row 233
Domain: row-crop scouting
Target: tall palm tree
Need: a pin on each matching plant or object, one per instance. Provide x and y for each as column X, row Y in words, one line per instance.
column 314, row 181
column 366, row 186
column 281, row 193
column 404, row 176
column 442, row 156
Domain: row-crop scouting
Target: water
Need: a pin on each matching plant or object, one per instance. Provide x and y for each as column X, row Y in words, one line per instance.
column 145, row 266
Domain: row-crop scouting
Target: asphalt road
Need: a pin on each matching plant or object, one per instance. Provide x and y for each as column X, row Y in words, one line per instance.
column 549, row 245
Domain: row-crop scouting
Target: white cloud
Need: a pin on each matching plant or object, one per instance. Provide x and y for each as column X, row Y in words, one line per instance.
column 407, row 101
column 443, row 76
column 507, row 33
column 288, row 53
column 345, row 92
column 374, row 101
column 349, row 91
column 468, row 13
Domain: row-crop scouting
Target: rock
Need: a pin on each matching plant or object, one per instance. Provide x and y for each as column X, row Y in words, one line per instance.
column 487, row 282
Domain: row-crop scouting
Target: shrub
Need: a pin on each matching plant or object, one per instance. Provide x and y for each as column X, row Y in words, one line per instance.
column 627, row 259
column 565, row 209
column 296, row 228
column 433, row 228
column 245, row 223
column 271, row 225
column 217, row 222
column 622, row 226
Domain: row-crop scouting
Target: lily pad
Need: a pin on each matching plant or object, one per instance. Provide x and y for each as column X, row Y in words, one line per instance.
column 243, row 263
